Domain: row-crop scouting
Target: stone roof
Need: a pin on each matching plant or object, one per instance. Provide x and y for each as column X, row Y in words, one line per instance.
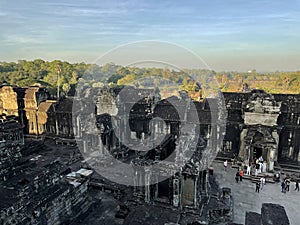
column 45, row 106
column 30, row 92
column 43, row 109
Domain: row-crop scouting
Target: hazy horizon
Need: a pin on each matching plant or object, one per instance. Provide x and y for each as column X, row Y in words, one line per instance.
column 228, row 35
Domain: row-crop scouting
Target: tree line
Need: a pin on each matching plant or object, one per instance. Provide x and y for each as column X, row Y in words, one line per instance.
column 67, row 75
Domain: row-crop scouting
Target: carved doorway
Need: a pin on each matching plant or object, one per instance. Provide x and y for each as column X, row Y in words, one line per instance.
column 259, row 146
column 257, row 152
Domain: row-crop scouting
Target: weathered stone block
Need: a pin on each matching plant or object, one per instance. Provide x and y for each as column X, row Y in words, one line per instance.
column 252, row 218
column 273, row 214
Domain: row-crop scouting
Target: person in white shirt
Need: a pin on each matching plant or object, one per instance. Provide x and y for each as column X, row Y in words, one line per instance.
column 264, row 167
column 248, row 170
column 262, row 182
column 225, row 165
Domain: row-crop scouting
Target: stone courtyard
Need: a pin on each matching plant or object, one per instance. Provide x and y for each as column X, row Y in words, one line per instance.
column 246, row 199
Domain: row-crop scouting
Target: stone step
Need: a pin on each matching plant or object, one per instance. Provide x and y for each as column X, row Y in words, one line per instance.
column 255, row 179
column 290, row 166
column 288, row 170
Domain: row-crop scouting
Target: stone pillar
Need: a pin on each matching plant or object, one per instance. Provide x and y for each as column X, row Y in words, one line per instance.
column 78, row 126
column 140, row 181
column 272, row 152
column 276, row 138
column 156, row 188
column 167, row 128
column 176, row 192
column 195, row 192
column 147, row 185
column 142, row 136
column 101, row 147
column 156, row 128
column 56, row 125
column 107, row 141
column 84, row 146
column 135, row 181
column 243, row 144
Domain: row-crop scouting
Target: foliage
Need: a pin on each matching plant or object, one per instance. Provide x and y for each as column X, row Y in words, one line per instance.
column 67, row 76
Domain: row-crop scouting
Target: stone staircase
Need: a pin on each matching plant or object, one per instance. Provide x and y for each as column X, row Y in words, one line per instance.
column 254, row 179
column 269, row 176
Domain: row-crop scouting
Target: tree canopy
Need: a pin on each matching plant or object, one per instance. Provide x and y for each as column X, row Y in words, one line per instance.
column 67, row 75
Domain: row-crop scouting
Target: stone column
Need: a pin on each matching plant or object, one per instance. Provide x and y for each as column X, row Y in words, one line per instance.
column 84, row 146
column 195, row 192
column 272, row 152
column 140, row 181
column 276, row 137
column 176, row 192
column 156, row 188
column 147, row 185
column 77, row 126
column 101, row 147
column 56, row 125
column 135, row 181
column 243, row 144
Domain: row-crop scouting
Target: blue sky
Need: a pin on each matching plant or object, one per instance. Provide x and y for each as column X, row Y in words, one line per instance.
column 227, row 34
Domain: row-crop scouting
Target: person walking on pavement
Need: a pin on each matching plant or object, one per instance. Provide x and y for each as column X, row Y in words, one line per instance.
column 241, row 174
column 237, row 176
column 283, row 186
column 257, row 187
column 225, row 165
column 262, row 182
column 287, row 183
column 297, row 185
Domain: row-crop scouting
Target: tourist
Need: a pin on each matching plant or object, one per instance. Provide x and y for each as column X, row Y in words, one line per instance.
column 260, row 167
column 256, row 161
column 297, row 185
column 248, row 170
column 277, row 177
column 225, row 165
column 262, row 182
column 283, row 186
column 256, row 169
column 257, row 187
column 264, row 167
column 233, row 160
column 261, row 159
column 237, row 175
column 241, row 174
column 287, row 181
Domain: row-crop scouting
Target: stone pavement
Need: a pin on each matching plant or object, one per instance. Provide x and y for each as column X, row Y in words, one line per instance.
column 246, row 199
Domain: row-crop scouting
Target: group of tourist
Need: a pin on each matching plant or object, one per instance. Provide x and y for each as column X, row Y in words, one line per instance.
column 285, row 185
column 239, row 175
column 260, row 184
column 261, row 167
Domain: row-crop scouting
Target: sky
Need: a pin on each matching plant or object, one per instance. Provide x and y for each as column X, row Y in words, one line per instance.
column 227, row 34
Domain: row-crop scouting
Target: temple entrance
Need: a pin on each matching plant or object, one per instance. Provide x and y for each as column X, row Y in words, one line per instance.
column 257, row 152
column 164, row 191
column 188, row 192
column 257, row 142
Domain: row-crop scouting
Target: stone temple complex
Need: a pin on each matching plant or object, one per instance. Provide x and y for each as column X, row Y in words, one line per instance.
column 45, row 179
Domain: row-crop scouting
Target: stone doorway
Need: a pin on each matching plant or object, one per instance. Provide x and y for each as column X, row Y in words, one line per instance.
column 257, row 152
column 257, row 145
column 259, row 141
